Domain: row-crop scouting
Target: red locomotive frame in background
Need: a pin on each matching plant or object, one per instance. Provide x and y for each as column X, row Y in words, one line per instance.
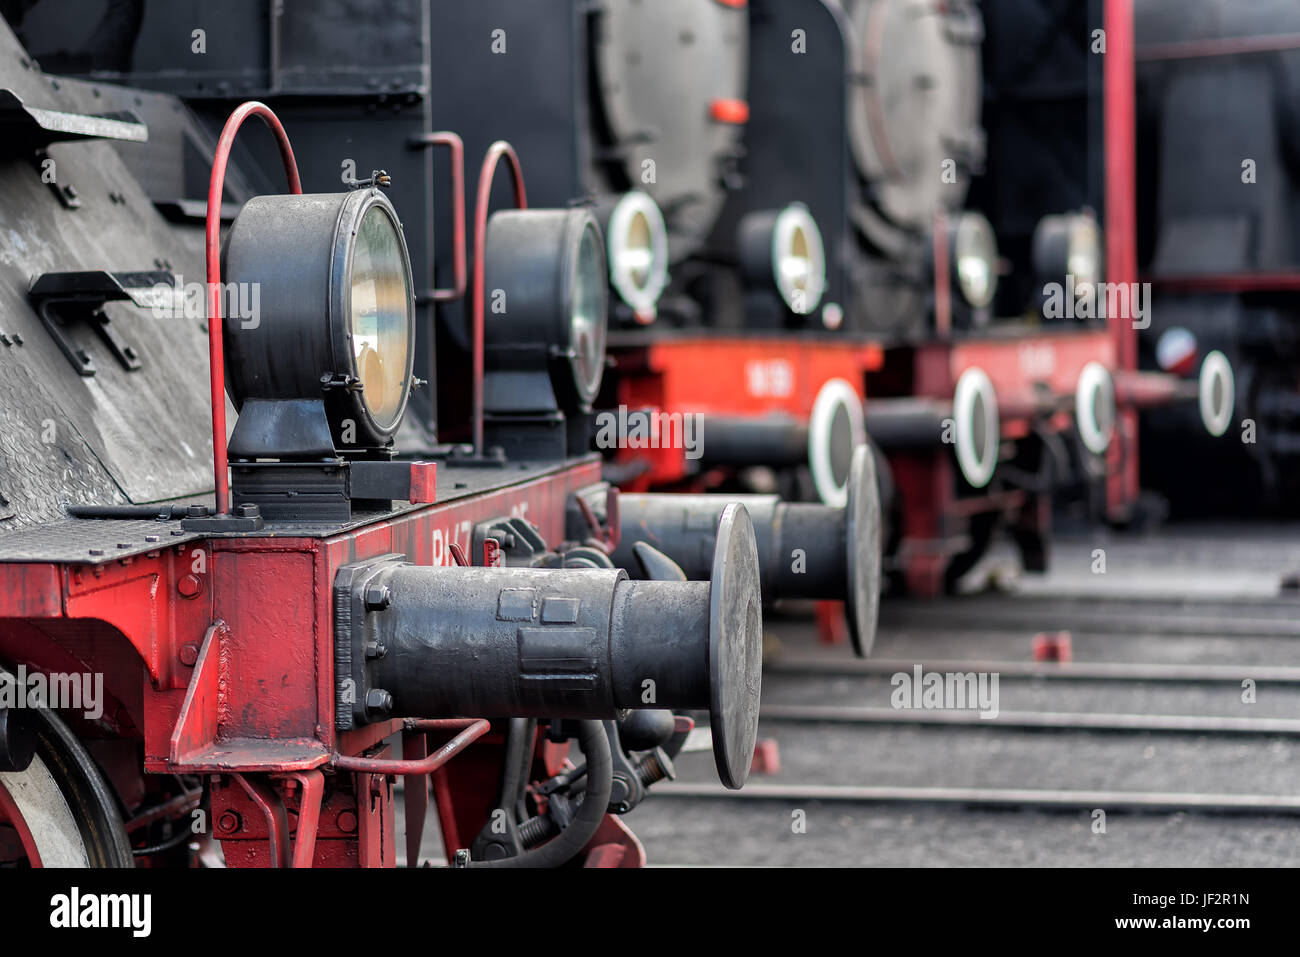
column 717, row 374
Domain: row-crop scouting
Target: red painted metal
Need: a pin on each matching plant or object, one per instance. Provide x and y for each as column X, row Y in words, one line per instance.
column 424, row 483
column 1120, row 91
column 730, row 111
column 614, row 846
column 778, row 375
column 312, row 792
column 201, row 715
column 942, row 276
column 444, row 800
column 471, row 730
column 11, row 816
column 832, row 627
column 1053, row 646
column 767, row 757
column 1143, row 390
column 1218, row 46
column 1263, row 282
column 216, row 357
column 496, row 152
column 268, row 801
column 415, row 795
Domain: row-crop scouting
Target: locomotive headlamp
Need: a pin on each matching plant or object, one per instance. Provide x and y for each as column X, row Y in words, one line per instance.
column 547, row 295
column 1094, row 407
column 977, row 426
column 784, row 248
column 1067, row 248
column 333, row 328
column 636, row 240
column 974, row 251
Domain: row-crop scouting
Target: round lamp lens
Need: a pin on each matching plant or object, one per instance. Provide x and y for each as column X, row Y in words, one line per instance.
column 587, row 319
column 798, row 259
column 637, row 257
column 977, row 260
column 1085, row 251
column 638, row 253
column 382, row 316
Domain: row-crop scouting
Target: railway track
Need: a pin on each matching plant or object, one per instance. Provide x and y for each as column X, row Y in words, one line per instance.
column 1255, row 618
column 1123, row 802
column 1036, row 720
column 1046, row 671
column 1150, row 726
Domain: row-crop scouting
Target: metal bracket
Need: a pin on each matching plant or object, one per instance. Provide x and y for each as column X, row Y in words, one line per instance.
column 29, row 128
column 63, row 299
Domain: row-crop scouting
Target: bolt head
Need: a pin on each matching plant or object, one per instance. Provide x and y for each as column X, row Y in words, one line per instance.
column 189, row 654
column 378, row 597
column 189, row 586
column 378, row 701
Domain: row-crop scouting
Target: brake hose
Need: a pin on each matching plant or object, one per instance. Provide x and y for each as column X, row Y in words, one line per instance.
column 594, row 745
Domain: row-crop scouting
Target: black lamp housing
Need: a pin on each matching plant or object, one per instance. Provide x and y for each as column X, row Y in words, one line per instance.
column 971, row 242
column 546, row 303
column 767, row 241
column 322, row 370
column 303, row 373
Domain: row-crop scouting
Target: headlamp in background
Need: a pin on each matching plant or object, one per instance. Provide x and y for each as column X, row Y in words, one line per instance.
column 781, row 252
column 547, row 304
column 636, row 246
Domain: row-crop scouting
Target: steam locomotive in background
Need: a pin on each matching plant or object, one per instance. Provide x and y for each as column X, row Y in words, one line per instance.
column 803, row 203
column 227, row 644
column 1219, row 176
column 760, row 214
column 329, row 596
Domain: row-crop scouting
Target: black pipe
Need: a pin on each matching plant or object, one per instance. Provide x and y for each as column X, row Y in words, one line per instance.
column 591, row 806
column 164, row 513
column 777, row 441
column 907, row 423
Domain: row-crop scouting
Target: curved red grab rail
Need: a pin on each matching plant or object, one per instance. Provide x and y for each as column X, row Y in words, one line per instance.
column 216, row 352
column 471, row 729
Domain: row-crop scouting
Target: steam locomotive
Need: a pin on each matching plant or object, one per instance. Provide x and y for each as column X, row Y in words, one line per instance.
column 1219, row 172
column 727, row 214
column 809, row 190
column 226, row 644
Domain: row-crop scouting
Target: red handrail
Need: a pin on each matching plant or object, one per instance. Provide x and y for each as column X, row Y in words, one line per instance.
column 216, row 353
column 494, row 154
column 471, row 730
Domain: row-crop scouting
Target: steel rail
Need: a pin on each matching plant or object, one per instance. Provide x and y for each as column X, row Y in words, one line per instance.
column 1055, row 671
column 1182, row 619
column 1139, row 802
column 1034, row 720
